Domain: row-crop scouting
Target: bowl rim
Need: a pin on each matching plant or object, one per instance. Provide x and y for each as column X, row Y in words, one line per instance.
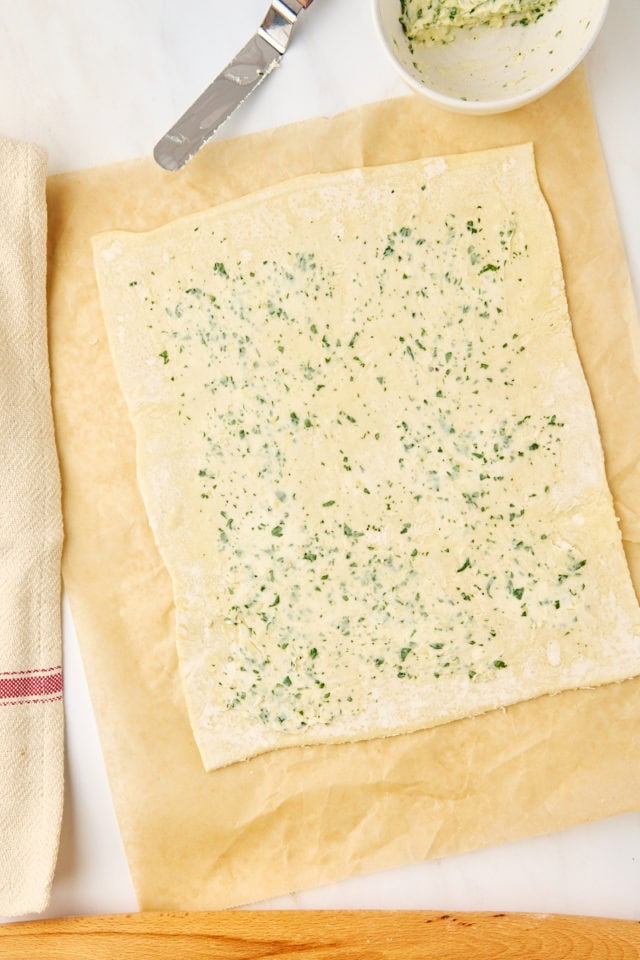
column 459, row 105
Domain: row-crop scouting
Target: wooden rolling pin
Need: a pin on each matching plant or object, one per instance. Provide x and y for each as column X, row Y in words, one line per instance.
column 322, row 935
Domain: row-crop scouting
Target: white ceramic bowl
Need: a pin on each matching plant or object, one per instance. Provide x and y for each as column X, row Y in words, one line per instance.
column 493, row 70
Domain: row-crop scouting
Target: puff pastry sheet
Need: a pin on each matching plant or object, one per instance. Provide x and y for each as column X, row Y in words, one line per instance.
column 368, row 454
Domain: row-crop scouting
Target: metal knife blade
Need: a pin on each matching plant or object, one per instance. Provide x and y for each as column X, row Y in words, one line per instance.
column 257, row 59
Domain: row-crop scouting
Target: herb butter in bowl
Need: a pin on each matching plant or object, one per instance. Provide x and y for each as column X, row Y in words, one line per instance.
column 487, row 56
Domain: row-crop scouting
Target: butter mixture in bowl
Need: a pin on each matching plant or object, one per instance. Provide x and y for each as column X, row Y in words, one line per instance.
column 487, row 56
column 439, row 21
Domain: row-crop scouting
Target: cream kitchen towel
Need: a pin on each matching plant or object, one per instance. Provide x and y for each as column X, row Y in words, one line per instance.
column 31, row 717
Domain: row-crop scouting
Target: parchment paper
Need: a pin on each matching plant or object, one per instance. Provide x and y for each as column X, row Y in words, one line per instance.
column 307, row 816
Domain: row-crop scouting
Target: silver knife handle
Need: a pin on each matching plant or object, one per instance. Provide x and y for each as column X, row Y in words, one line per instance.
column 277, row 24
column 297, row 5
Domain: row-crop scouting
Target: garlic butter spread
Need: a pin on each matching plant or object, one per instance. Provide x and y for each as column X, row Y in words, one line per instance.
column 368, row 454
column 439, row 21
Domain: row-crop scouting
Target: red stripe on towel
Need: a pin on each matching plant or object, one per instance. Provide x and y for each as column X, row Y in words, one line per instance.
column 13, row 703
column 31, row 685
column 23, row 673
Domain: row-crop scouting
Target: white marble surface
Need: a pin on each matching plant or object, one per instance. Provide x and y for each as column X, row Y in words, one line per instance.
column 95, row 83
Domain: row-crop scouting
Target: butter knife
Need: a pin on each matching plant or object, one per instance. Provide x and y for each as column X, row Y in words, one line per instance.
column 257, row 59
